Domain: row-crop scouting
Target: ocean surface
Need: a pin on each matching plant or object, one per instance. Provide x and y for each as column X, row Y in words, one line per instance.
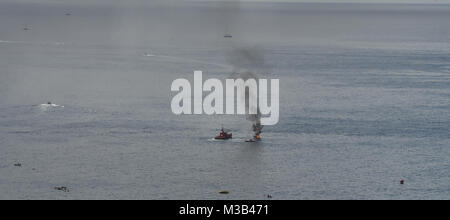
column 364, row 101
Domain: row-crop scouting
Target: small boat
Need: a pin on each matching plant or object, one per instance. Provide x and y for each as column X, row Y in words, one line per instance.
column 224, row 135
column 228, row 36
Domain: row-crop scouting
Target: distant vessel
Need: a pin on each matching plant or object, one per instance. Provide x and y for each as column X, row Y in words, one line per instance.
column 224, row 135
column 50, row 105
column 228, row 36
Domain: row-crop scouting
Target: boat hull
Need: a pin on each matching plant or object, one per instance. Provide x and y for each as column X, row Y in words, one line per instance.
column 226, row 137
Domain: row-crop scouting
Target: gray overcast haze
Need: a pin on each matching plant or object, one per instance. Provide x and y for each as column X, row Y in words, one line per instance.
column 364, row 99
column 174, row 1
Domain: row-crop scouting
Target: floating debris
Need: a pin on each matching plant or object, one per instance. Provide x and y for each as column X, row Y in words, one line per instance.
column 18, row 165
column 62, row 188
column 224, row 192
column 402, row 182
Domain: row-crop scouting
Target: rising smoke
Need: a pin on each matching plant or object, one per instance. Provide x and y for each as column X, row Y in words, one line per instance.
column 248, row 62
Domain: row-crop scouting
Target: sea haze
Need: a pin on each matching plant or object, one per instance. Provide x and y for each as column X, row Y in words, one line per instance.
column 364, row 101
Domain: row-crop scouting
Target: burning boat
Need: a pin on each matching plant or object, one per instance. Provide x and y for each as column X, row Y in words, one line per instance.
column 257, row 128
column 256, row 137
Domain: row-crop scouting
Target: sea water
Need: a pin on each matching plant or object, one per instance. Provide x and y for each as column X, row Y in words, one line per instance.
column 364, row 101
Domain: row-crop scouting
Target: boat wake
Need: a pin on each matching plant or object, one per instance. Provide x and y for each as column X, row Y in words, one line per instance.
column 48, row 106
column 234, row 140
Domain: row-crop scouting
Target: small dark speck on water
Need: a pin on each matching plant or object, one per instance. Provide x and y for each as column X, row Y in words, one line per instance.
column 62, row 188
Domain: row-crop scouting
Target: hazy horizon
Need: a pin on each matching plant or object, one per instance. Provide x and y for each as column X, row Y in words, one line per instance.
column 262, row 1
